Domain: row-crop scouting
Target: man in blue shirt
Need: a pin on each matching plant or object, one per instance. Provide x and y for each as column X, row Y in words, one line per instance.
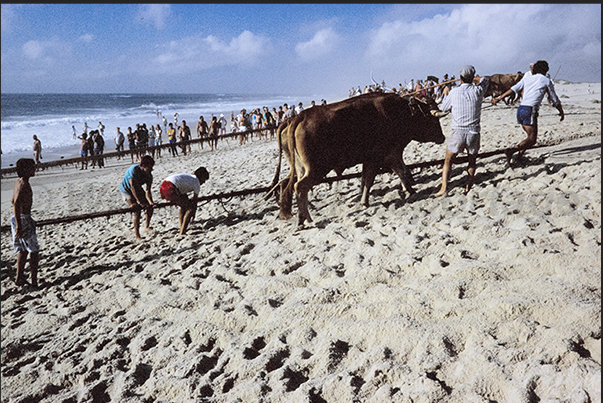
column 132, row 190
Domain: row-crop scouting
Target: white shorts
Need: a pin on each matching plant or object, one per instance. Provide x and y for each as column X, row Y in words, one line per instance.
column 464, row 140
column 28, row 242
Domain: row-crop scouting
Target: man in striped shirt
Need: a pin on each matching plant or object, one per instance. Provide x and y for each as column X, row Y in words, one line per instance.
column 465, row 102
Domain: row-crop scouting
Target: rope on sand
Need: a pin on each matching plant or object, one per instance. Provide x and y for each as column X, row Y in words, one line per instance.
column 269, row 190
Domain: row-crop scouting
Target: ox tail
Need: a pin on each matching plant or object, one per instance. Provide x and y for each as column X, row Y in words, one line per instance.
column 275, row 180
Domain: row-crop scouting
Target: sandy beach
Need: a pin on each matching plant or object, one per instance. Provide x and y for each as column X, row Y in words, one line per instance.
column 493, row 296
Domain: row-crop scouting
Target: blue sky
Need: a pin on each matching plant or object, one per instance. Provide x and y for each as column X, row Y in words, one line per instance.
column 285, row 48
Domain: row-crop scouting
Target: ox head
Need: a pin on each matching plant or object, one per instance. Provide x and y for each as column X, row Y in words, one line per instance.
column 425, row 116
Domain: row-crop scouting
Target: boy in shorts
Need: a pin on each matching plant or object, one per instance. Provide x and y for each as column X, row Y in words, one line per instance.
column 535, row 86
column 25, row 239
column 175, row 189
column 131, row 188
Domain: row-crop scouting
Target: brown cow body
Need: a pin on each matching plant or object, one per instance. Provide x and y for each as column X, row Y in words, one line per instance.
column 500, row 83
column 371, row 129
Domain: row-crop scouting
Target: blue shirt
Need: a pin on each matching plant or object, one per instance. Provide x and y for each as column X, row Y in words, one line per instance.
column 138, row 176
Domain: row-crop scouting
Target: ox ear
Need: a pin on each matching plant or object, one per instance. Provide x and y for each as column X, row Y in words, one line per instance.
column 438, row 114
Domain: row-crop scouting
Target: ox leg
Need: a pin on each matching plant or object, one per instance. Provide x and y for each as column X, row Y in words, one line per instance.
column 286, row 198
column 302, row 187
column 369, row 172
column 405, row 177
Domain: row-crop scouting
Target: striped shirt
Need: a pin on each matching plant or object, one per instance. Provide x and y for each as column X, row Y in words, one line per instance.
column 465, row 102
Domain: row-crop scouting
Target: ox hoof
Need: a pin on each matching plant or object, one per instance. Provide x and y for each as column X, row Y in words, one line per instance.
column 285, row 216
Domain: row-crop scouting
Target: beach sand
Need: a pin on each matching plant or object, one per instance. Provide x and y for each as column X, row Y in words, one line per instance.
column 494, row 296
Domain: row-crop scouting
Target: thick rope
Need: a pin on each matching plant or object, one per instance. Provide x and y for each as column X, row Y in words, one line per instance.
column 269, row 190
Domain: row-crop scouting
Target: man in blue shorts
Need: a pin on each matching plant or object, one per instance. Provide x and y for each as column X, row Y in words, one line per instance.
column 131, row 188
column 535, row 87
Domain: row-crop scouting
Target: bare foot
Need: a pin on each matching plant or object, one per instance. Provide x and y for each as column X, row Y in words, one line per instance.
column 440, row 194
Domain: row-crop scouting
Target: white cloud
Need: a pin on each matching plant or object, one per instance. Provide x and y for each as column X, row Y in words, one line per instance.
column 499, row 38
column 155, row 14
column 194, row 53
column 87, row 38
column 320, row 45
column 33, row 50
column 47, row 53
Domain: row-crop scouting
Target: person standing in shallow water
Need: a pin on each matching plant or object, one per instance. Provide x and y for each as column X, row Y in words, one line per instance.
column 37, row 149
column 23, row 227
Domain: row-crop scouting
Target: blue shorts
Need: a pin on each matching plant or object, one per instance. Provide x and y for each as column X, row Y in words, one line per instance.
column 527, row 115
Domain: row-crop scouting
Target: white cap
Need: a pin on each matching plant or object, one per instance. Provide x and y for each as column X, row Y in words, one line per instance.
column 467, row 72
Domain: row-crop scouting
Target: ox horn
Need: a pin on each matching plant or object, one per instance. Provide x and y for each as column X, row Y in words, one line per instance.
column 438, row 114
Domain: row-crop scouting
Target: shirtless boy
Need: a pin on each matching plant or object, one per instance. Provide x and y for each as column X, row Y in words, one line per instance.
column 25, row 240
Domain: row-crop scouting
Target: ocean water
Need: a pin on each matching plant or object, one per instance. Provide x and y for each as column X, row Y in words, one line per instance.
column 51, row 116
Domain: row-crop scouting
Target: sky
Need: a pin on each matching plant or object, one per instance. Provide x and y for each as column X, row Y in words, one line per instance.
column 285, row 48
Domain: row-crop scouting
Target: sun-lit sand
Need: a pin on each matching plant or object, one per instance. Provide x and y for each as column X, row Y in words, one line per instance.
column 494, row 296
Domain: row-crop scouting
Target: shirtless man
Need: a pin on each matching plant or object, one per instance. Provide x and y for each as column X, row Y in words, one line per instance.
column 202, row 130
column 25, row 240
column 37, row 149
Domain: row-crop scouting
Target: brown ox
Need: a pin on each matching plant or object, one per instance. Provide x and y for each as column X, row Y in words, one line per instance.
column 371, row 129
column 500, row 83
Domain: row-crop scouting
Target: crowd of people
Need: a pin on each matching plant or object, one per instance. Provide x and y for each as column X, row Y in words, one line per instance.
column 430, row 87
column 142, row 140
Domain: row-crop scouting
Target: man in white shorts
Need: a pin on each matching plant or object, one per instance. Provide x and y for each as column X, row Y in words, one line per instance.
column 465, row 102
column 175, row 189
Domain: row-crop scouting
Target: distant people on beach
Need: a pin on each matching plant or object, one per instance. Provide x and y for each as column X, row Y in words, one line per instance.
column 223, row 125
column 119, row 143
column 131, row 188
column 158, row 139
column 214, row 126
column 37, row 150
column 131, row 137
column 23, row 227
column 151, row 143
column 74, row 132
column 84, row 150
column 85, row 128
column 99, row 148
column 202, row 130
column 176, row 187
column 171, row 134
column 184, row 133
